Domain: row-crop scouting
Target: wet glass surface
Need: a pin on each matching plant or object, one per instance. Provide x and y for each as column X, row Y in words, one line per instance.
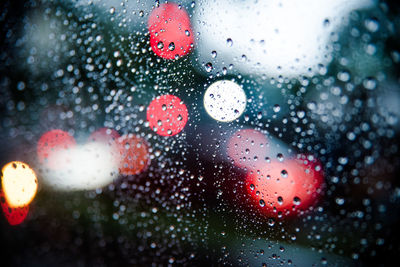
column 260, row 133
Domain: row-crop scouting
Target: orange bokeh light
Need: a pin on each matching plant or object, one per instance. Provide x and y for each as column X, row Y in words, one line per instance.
column 134, row 154
column 19, row 184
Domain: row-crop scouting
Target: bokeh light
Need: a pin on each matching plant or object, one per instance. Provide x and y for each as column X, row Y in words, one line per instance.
column 167, row 115
column 19, row 184
column 285, row 188
column 288, row 38
column 89, row 166
column 134, row 154
column 247, row 148
column 225, row 100
column 170, row 30
column 51, row 143
column 14, row 216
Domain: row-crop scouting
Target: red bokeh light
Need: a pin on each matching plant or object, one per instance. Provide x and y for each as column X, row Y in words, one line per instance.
column 170, row 30
column 14, row 216
column 52, row 142
column 247, row 148
column 285, row 188
column 134, row 154
column 167, row 115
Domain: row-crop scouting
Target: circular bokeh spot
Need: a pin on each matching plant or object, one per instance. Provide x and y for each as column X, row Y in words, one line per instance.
column 247, row 148
column 50, row 144
column 225, row 100
column 14, row 216
column 134, row 154
column 167, row 115
column 284, row 189
column 19, row 184
column 170, row 30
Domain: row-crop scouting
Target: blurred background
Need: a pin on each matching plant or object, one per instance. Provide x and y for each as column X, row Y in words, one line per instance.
column 255, row 133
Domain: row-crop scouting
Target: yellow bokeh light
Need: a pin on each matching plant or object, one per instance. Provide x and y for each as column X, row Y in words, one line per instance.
column 19, row 184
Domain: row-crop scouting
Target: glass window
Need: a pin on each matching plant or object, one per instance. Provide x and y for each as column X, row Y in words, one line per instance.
column 153, row 133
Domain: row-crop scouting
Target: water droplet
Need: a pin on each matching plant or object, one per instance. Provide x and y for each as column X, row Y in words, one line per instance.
column 372, row 24
column 351, row 136
column 339, row 201
column 327, row 23
column 343, row 160
column 214, row 54
column 262, row 203
column 279, row 156
column 284, row 173
column 209, row 67
column 171, row 46
column 344, row 76
column 296, row 201
column 276, row 108
column 252, row 187
column 370, row 83
column 164, row 107
column 229, row 42
column 160, row 45
column 271, row 222
column 112, row 10
column 280, row 200
column 187, row 33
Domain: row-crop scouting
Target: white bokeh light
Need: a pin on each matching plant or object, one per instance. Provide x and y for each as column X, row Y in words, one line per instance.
column 225, row 100
column 90, row 166
column 272, row 38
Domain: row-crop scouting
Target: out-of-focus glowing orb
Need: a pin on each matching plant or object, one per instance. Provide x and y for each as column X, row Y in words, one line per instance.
column 19, row 184
column 134, row 154
column 90, row 166
column 52, row 142
column 14, row 216
column 247, row 148
column 278, row 38
column 167, row 115
column 284, row 189
column 225, row 100
column 170, row 30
